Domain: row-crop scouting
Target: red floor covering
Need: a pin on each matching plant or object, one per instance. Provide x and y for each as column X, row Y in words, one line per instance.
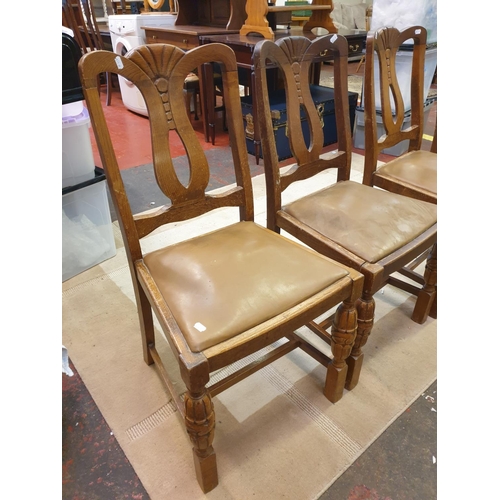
column 131, row 138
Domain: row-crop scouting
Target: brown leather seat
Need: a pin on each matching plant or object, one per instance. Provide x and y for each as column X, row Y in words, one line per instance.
column 415, row 168
column 373, row 228
column 197, row 280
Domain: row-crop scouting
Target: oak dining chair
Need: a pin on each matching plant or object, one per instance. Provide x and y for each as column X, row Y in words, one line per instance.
column 373, row 231
column 219, row 295
column 413, row 173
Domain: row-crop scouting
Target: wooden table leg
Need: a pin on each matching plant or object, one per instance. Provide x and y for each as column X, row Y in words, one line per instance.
column 256, row 128
column 206, row 97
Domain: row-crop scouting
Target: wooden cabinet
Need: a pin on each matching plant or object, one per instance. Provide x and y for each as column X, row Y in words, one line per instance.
column 356, row 45
column 184, row 37
column 214, row 13
column 229, row 14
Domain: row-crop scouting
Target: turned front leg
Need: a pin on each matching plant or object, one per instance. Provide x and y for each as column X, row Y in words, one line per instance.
column 200, row 425
column 427, row 296
column 366, row 313
column 343, row 335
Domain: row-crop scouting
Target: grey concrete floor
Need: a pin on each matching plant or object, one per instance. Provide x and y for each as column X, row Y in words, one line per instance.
column 401, row 464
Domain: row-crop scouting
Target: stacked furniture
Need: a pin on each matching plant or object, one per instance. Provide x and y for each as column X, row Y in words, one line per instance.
column 79, row 16
column 258, row 11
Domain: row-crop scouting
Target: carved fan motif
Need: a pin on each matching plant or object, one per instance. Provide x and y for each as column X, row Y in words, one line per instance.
column 158, row 62
column 294, row 48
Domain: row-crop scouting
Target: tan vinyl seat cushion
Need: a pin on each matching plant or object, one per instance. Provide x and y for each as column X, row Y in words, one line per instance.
column 418, row 168
column 235, row 278
column 369, row 222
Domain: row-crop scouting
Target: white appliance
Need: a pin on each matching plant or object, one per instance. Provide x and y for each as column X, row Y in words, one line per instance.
column 126, row 34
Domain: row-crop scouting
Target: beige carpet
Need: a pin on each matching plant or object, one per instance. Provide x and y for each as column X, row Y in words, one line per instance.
column 354, row 82
column 277, row 436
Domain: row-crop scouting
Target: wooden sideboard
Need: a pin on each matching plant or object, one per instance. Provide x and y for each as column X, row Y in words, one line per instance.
column 183, row 36
column 229, row 14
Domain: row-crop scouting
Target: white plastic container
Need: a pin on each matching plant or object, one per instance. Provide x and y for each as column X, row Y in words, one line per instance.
column 77, row 157
column 403, row 70
column 72, row 109
column 87, row 231
column 401, row 14
column 398, row 149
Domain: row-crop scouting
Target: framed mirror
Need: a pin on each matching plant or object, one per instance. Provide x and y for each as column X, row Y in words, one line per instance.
column 156, row 4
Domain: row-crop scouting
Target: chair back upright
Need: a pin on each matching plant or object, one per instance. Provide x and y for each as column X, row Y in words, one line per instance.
column 294, row 56
column 91, row 29
column 159, row 72
column 386, row 43
column 79, row 16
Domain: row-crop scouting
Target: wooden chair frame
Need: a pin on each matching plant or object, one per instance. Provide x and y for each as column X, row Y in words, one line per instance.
column 85, row 32
column 386, row 43
column 414, row 173
column 294, row 56
column 159, row 72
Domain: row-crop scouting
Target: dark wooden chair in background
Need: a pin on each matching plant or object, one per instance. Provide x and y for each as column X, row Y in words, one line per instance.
column 225, row 294
column 368, row 229
column 79, row 16
column 414, row 173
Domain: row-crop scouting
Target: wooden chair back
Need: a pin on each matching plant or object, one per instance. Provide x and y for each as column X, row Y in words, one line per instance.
column 294, row 57
column 385, row 43
column 79, row 16
column 159, row 72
